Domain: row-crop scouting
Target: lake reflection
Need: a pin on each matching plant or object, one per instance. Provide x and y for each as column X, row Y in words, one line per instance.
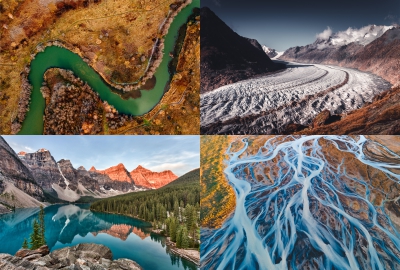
column 69, row 225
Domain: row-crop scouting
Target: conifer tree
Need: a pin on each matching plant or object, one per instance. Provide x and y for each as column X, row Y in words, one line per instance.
column 184, row 237
column 173, row 229
column 25, row 244
column 35, row 236
column 179, row 237
column 42, row 239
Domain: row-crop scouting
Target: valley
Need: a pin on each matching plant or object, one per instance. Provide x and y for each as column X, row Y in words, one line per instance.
column 267, row 104
column 337, row 84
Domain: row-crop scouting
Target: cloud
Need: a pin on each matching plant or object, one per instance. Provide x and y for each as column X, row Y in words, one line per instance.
column 217, row 2
column 324, row 35
column 394, row 20
column 178, row 166
column 21, row 147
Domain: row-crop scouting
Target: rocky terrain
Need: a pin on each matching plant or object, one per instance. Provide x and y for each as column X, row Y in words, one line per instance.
column 378, row 52
column 73, row 107
column 227, row 57
column 377, row 117
column 146, row 178
column 43, row 166
column 82, row 256
column 18, row 186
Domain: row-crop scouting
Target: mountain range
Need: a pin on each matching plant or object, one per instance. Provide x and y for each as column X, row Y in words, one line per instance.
column 372, row 48
column 227, row 57
column 272, row 53
column 29, row 179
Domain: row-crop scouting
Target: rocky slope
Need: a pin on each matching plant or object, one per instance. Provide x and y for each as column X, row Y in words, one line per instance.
column 146, row 178
column 43, row 166
column 110, row 184
column 269, row 51
column 118, row 173
column 381, row 116
column 227, row 57
column 67, row 183
column 32, row 172
column 378, row 52
column 82, row 256
column 18, row 186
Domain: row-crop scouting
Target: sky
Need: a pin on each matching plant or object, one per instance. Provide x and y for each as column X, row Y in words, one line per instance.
column 281, row 24
column 179, row 154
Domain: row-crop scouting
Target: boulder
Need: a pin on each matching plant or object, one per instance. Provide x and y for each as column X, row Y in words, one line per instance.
column 82, row 256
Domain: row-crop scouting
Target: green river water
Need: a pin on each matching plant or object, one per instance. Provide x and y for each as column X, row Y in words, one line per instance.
column 54, row 56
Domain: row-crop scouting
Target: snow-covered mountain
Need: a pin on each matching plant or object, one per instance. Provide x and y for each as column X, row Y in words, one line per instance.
column 373, row 48
column 362, row 36
column 272, row 53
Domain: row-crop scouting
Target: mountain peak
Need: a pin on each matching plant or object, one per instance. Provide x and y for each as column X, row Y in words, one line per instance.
column 118, row 173
column 42, row 150
column 141, row 169
column 92, row 169
column 22, row 153
column 120, row 166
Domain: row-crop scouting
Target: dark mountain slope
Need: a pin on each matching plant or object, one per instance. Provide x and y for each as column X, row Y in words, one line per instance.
column 227, row 57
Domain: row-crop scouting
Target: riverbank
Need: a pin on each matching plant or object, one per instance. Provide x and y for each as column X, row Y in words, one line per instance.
column 192, row 255
column 165, row 112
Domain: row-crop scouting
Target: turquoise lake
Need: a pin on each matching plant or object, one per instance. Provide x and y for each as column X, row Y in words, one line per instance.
column 69, row 225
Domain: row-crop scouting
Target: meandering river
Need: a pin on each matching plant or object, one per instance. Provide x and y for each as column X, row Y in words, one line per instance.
column 69, row 225
column 54, row 56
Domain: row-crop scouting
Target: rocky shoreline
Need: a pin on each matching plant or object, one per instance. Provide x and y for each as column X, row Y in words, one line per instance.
column 192, row 255
column 155, row 60
column 81, row 256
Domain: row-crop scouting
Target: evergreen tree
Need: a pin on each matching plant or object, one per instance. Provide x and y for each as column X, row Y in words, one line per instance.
column 176, row 209
column 172, row 229
column 179, row 237
column 184, row 237
column 25, row 244
column 35, row 235
column 42, row 239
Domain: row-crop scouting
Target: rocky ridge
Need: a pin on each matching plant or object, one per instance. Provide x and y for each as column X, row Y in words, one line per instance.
column 149, row 179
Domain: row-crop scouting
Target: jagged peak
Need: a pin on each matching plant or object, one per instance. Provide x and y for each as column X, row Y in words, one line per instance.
column 82, row 168
column 42, row 150
column 21, row 153
column 141, row 168
column 64, row 161
column 120, row 165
